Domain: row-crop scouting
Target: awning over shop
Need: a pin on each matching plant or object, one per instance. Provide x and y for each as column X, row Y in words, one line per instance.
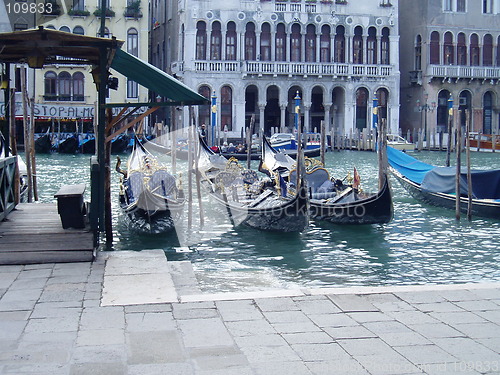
column 155, row 79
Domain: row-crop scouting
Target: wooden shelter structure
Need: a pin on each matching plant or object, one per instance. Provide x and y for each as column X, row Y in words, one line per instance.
column 40, row 47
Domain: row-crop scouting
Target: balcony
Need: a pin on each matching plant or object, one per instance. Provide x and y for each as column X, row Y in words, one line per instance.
column 463, row 72
column 278, row 68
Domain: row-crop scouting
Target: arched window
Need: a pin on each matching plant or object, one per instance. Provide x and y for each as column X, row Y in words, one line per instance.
column 226, row 112
column 434, row 48
column 418, row 53
column 340, row 44
column 498, row 51
column 78, row 30
column 361, row 108
column 311, row 43
column 461, row 50
column 204, row 110
column 250, row 47
column 201, row 41
column 448, row 50
column 265, row 42
column 78, row 87
column 488, row 50
column 64, row 86
column 50, row 83
column 65, row 29
column 133, row 41
column 231, row 41
column 280, row 43
column 357, row 46
column 325, row 41
column 487, row 112
column 385, row 53
column 295, row 43
column 216, row 42
column 371, row 46
column 474, row 50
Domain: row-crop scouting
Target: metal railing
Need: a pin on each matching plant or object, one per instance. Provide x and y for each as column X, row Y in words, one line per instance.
column 7, row 185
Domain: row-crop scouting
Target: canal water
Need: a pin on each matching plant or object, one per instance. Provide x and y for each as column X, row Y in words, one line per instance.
column 422, row 245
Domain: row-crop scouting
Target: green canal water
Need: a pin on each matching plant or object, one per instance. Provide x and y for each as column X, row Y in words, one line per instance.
column 422, row 245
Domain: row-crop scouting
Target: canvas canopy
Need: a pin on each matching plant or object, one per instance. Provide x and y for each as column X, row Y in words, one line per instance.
column 155, row 79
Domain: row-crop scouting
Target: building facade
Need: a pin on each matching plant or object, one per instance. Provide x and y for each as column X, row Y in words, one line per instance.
column 256, row 56
column 450, row 49
column 67, row 94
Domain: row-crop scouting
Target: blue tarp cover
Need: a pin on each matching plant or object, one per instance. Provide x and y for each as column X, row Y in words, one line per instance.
column 408, row 166
column 485, row 184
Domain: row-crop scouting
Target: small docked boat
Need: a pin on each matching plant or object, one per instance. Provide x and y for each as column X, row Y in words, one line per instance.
column 436, row 185
column 484, row 142
column 329, row 199
column 288, row 141
column 149, row 194
column 87, row 144
column 399, row 143
column 259, row 203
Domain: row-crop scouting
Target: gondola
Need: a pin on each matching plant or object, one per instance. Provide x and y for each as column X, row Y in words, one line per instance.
column 436, row 185
column 43, row 144
column 87, row 145
column 149, row 193
column 183, row 153
column 120, row 144
column 70, row 145
column 250, row 200
column 332, row 200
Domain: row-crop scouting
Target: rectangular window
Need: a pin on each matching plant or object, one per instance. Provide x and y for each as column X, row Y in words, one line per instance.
column 461, row 6
column 487, row 6
column 447, row 6
column 132, row 89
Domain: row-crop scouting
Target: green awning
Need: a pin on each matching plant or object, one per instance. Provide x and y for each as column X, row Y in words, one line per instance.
column 155, row 80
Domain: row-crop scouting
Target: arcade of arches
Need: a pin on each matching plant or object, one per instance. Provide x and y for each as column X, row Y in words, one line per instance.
column 274, row 108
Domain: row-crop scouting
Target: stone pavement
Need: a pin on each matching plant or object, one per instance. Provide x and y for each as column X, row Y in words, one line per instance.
column 135, row 313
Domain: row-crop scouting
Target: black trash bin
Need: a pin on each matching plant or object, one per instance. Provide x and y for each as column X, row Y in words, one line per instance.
column 70, row 206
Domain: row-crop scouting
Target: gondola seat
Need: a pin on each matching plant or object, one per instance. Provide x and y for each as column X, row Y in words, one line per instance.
column 163, row 180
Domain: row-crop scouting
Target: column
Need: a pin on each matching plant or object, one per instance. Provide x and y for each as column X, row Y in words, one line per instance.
column 307, row 120
column 262, row 106
column 283, row 117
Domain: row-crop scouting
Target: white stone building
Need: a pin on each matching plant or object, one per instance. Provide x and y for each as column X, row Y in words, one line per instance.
column 255, row 55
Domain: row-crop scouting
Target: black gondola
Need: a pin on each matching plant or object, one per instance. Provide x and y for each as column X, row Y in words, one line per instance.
column 257, row 203
column 120, row 144
column 149, row 193
column 436, row 185
column 87, row 145
column 329, row 200
column 43, row 144
column 69, row 145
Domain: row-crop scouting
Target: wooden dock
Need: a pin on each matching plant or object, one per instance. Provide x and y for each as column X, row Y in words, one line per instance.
column 33, row 233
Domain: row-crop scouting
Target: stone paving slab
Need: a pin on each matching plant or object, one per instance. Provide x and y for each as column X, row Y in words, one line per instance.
column 135, row 313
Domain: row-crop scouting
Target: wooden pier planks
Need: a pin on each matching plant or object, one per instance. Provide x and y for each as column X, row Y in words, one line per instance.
column 33, row 233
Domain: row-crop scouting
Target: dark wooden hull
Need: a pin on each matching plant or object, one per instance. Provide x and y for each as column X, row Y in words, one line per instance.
column 291, row 216
column 155, row 221
column 88, row 146
column 363, row 209
column 68, row 146
column 480, row 207
column 43, row 144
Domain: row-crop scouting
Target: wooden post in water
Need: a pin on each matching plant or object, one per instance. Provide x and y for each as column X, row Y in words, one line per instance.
column 469, row 177
column 173, row 133
column 197, row 150
column 323, row 142
column 448, row 143
column 190, row 167
column 32, row 149
column 108, row 216
column 382, row 149
column 27, row 148
column 13, row 140
column 249, row 140
column 458, row 142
